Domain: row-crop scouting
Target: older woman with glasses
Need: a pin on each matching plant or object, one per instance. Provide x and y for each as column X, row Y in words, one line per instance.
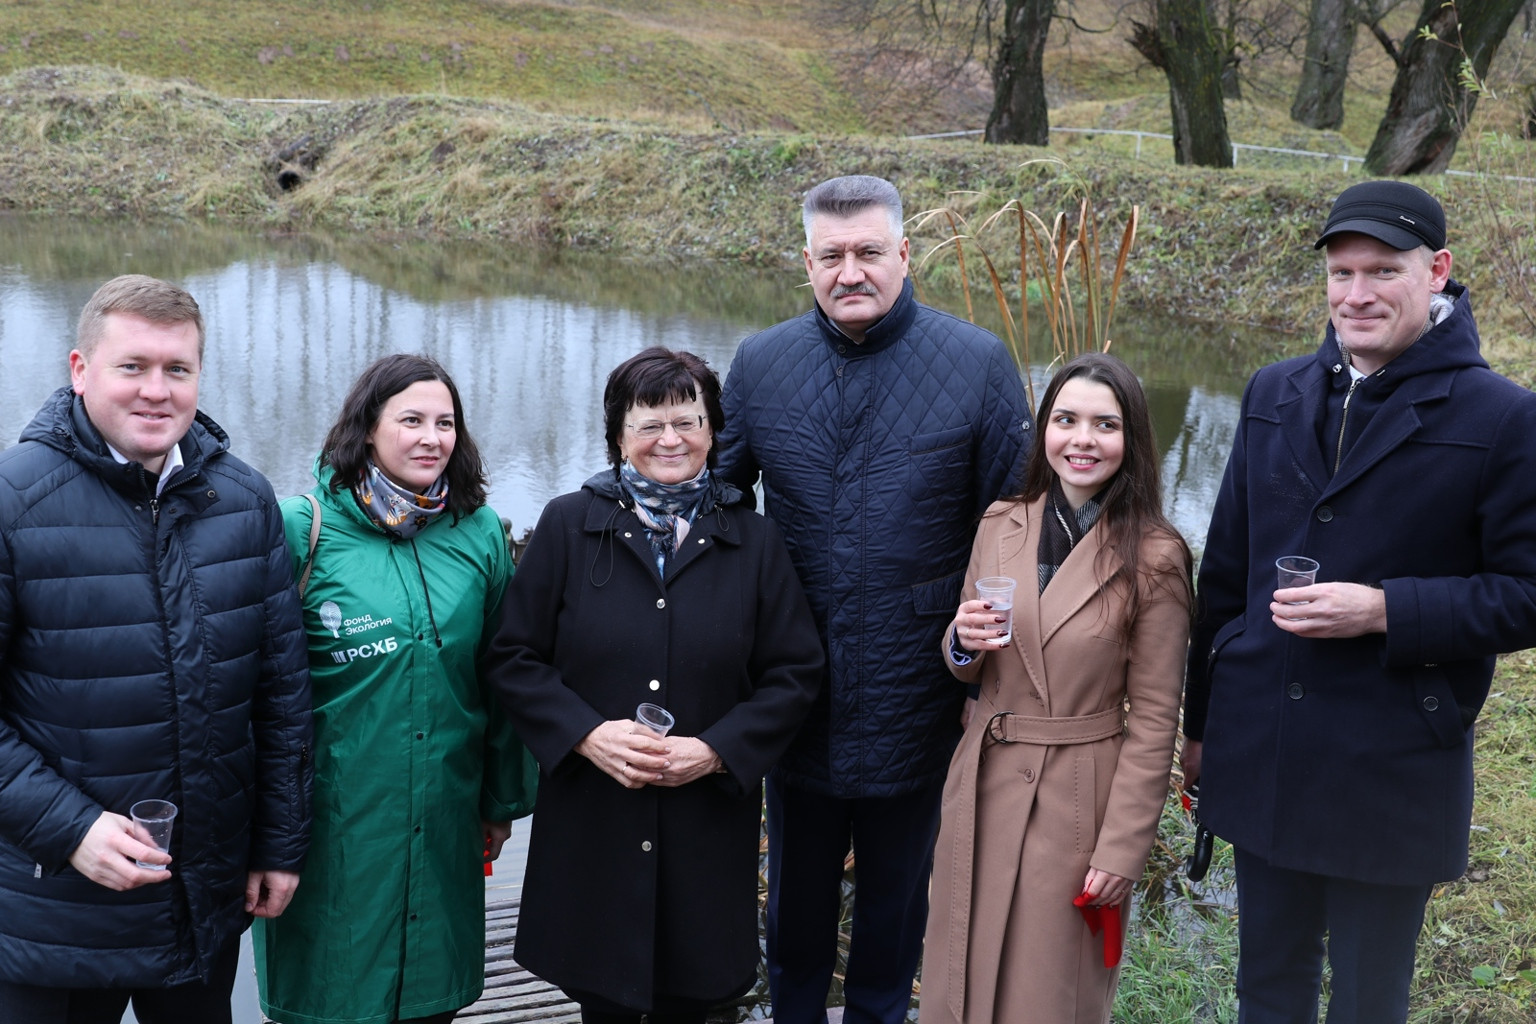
column 653, row 584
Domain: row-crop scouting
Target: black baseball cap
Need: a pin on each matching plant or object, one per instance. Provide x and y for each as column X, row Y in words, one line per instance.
column 1403, row 216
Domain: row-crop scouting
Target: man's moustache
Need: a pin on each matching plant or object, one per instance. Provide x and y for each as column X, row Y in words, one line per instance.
column 862, row 288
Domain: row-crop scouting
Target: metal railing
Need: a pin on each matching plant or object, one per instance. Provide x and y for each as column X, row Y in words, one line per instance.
column 1344, row 159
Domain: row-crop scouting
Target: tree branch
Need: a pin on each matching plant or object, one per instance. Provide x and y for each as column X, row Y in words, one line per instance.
column 1386, row 42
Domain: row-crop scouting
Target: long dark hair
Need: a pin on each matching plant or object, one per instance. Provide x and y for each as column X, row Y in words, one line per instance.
column 346, row 444
column 656, row 376
column 1132, row 503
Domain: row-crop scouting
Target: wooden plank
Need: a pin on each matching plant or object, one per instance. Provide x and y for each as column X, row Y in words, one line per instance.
column 512, row 995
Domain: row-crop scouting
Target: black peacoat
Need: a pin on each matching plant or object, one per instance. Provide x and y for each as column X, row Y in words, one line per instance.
column 633, row 892
column 1353, row 757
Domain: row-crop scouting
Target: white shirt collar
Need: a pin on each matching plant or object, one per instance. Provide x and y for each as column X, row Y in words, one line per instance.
column 173, row 462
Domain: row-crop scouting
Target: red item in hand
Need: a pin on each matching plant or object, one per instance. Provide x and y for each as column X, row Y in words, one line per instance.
column 1105, row 919
column 487, row 856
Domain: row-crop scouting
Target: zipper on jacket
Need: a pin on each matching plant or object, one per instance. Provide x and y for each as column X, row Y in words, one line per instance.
column 154, row 511
column 1338, row 456
column 428, row 594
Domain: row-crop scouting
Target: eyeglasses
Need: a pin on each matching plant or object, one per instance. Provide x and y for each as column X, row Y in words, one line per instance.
column 650, row 430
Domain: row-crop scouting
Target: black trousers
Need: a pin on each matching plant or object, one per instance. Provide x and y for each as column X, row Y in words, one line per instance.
column 808, row 840
column 203, row 1002
column 1283, row 917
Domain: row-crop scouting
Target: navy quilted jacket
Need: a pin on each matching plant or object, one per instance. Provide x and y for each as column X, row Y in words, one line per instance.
column 877, row 461
column 147, row 649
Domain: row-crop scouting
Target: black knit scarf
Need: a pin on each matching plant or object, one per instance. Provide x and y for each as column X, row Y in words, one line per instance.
column 1061, row 530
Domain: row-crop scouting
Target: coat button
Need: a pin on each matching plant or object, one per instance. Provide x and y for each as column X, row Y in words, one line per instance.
column 1325, row 514
column 1029, row 775
column 628, row 534
column 1295, row 691
column 701, row 540
column 655, row 684
column 646, row 846
column 661, row 602
column 1431, row 703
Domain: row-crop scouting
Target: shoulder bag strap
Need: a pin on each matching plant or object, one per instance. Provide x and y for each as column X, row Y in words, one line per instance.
column 314, row 538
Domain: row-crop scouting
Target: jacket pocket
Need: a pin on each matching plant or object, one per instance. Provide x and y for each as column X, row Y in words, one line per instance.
column 1437, row 706
column 939, row 462
column 1225, row 635
column 938, row 597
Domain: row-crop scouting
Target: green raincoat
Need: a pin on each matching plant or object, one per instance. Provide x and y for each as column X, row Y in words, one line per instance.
column 410, row 755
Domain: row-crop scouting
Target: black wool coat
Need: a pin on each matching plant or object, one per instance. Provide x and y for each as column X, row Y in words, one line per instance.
column 1353, row 757
column 630, row 893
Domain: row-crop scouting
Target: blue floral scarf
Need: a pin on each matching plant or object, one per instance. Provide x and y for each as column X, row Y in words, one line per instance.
column 666, row 510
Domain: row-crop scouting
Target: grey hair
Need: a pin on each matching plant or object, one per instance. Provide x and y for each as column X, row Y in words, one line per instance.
column 846, row 196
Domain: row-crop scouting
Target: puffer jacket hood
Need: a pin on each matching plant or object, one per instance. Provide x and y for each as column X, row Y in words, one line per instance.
column 161, row 656
column 62, row 424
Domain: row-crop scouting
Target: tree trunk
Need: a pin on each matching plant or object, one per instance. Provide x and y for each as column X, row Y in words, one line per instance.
column 1018, row 79
column 1188, row 48
column 1319, row 99
column 1231, row 81
column 1429, row 107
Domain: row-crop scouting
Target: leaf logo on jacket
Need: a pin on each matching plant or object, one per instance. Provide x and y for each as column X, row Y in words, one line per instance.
column 330, row 617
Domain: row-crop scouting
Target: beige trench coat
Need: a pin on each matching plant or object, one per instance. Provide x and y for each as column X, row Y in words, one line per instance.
column 1024, row 820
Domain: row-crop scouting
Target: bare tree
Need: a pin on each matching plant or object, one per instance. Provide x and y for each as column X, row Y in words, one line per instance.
column 1018, row 74
column 930, row 44
column 1440, row 69
column 1186, row 45
column 1319, row 101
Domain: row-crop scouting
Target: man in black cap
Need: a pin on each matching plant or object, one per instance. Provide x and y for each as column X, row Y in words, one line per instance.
column 1330, row 725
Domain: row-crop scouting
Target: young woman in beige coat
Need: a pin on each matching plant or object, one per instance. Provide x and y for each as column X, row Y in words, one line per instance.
column 1055, row 791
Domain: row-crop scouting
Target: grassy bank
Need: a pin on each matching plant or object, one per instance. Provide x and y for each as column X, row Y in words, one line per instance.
column 1477, row 951
column 1231, row 247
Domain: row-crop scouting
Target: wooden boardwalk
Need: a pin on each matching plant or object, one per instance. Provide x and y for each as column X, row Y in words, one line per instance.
column 512, row 995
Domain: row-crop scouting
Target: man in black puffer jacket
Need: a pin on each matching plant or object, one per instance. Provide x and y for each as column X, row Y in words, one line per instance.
column 882, row 429
column 150, row 647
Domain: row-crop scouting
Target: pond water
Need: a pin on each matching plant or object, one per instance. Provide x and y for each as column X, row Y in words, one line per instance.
column 529, row 337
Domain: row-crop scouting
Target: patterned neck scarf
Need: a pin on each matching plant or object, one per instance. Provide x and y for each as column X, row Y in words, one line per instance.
column 666, row 510
column 400, row 512
column 1061, row 530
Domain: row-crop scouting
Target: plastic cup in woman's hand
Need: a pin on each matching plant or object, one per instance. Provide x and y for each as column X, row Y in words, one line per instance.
column 654, row 719
column 997, row 591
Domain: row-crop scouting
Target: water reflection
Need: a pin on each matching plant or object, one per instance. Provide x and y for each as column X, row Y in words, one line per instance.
column 529, row 336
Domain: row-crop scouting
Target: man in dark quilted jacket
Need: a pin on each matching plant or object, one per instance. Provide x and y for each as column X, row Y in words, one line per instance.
column 150, row 649
column 881, row 429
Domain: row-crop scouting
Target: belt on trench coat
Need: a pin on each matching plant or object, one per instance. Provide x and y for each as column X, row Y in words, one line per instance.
column 1004, row 727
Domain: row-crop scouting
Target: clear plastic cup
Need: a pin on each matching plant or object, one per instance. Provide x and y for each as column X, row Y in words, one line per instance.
column 156, row 818
column 1295, row 571
column 997, row 591
column 654, row 719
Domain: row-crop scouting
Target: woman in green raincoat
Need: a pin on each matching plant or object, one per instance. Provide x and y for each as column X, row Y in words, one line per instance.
column 416, row 771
